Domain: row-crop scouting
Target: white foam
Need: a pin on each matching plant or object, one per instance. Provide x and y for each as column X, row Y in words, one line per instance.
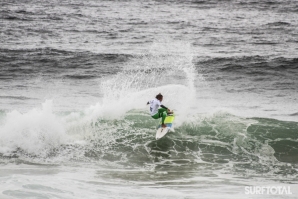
column 35, row 132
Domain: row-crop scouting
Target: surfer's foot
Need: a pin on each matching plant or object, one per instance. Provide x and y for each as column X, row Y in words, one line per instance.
column 163, row 126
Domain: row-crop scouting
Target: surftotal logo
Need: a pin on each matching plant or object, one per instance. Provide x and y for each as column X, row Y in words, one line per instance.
column 270, row 190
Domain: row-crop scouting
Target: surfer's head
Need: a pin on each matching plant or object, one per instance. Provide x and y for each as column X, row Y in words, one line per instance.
column 159, row 97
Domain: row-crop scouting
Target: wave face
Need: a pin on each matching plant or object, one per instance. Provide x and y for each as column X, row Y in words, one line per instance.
column 224, row 142
column 245, row 146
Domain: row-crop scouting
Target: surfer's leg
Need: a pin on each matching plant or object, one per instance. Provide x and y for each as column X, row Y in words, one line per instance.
column 156, row 116
column 162, row 113
column 159, row 114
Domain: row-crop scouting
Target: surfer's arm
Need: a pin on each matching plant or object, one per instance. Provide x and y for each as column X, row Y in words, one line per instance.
column 162, row 106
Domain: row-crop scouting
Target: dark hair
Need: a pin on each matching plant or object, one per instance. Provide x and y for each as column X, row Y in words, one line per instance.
column 159, row 96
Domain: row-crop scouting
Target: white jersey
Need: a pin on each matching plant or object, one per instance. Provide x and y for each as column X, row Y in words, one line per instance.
column 154, row 105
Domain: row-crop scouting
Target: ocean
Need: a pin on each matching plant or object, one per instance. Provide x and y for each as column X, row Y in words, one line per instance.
column 75, row 77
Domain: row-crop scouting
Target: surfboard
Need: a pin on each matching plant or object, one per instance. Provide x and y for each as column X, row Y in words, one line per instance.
column 163, row 131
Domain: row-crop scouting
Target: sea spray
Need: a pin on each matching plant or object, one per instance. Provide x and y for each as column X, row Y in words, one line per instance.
column 161, row 70
column 36, row 132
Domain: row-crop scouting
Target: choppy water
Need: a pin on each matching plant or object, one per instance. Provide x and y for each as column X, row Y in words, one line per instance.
column 75, row 77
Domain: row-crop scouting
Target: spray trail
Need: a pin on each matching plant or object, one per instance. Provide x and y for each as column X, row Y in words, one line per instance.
column 162, row 69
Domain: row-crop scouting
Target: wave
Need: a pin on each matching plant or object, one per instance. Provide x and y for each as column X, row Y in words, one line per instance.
column 217, row 141
column 279, row 23
column 12, row 53
column 59, row 63
column 255, row 65
column 10, row 17
column 33, row 15
column 294, row 114
column 119, row 130
column 253, row 146
column 15, row 97
column 279, row 6
column 44, row 131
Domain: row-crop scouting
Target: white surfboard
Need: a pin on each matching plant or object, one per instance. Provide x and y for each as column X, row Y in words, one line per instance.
column 163, row 131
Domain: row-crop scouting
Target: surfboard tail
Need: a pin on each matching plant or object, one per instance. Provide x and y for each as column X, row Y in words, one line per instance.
column 169, row 119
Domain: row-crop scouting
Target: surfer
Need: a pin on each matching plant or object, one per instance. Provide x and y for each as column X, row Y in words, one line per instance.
column 157, row 112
